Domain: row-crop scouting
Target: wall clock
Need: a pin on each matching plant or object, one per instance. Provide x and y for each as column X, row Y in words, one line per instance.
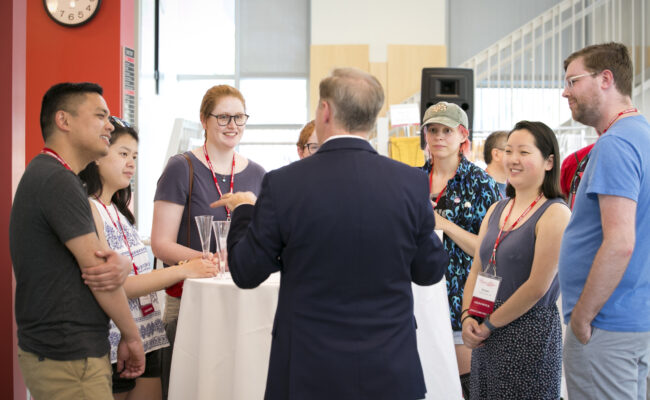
column 71, row 12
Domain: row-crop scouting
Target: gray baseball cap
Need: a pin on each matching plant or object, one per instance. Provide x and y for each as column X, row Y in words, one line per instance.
column 448, row 114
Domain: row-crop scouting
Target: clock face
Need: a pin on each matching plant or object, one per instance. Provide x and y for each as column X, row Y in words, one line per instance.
column 71, row 12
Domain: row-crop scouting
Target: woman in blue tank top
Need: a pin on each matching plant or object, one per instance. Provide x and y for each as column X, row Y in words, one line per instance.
column 517, row 347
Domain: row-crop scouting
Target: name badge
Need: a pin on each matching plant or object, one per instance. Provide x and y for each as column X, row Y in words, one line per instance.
column 485, row 293
column 146, row 305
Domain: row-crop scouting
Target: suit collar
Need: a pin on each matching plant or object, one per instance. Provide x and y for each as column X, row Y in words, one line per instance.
column 344, row 136
column 346, row 143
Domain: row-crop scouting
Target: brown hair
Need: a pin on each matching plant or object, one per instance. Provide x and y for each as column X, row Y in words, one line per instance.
column 305, row 133
column 356, row 98
column 611, row 56
column 216, row 93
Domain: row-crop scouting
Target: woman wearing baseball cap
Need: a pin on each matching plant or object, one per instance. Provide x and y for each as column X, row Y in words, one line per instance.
column 461, row 194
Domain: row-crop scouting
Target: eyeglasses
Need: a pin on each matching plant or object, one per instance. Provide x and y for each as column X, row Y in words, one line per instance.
column 311, row 147
column 570, row 81
column 118, row 122
column 224, row 119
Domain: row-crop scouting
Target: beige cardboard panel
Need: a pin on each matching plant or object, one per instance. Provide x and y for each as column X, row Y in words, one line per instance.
column 324, row 58
column 380, row 71
column 405, row 63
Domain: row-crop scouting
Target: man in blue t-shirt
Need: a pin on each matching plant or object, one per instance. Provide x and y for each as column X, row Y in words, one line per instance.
column 604, row 265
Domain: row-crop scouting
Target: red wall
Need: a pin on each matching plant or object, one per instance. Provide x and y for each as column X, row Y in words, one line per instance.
column 36, row 53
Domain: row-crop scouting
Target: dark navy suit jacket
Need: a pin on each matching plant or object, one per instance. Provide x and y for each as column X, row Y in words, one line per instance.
column 349, row 230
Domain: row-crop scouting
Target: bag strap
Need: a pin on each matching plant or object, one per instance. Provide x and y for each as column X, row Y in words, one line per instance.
column 189, row 196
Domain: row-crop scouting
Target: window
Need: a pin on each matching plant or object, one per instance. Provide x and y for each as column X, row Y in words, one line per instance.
column 258, row 46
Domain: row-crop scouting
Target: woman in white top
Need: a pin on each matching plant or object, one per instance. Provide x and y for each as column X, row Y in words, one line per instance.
column 108, row 185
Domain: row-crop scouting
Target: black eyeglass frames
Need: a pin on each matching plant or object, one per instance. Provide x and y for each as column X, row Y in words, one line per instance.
column 224, row 119
column 311, row 147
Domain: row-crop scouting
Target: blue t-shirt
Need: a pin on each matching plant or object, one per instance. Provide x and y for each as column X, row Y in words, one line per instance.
column 619, row 165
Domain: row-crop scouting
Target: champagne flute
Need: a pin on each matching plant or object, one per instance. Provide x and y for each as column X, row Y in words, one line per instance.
column 203, row 223
column 221, row 229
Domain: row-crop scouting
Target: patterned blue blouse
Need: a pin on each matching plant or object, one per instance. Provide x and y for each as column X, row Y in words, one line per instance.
column 468, row 196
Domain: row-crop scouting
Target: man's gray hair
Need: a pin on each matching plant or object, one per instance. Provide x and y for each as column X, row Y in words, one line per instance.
column 356, row 97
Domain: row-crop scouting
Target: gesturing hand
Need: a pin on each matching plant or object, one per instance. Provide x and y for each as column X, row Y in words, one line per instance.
column 232, row 200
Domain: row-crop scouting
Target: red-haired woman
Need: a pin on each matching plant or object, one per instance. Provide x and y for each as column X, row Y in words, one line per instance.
column 216, row 169
column 307, row 142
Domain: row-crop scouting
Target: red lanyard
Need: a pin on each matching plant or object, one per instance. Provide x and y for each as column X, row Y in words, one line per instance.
column 628, row 111
column 214, row 177
column 121, row 228
column 431, row 186
column 52, row 153
column 499, row 238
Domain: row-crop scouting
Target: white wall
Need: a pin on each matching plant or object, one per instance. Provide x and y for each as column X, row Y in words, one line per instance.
column 378, row 23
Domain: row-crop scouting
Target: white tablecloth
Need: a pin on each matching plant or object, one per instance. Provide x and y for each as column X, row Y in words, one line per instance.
column 223, row 341
column 436, row 342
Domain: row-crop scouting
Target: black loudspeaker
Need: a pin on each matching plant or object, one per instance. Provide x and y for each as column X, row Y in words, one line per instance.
column 453, row 85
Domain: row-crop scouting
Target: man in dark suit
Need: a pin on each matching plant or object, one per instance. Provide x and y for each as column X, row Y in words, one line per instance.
column 349, row 230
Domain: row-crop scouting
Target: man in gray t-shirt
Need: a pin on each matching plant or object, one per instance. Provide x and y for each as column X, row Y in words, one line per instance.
column 67, row 283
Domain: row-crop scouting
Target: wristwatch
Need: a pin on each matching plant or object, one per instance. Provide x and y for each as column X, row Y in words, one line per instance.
column 488, row 324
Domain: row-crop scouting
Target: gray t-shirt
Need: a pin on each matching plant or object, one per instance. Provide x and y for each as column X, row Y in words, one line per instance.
column 56, row 313
column 173, row 186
